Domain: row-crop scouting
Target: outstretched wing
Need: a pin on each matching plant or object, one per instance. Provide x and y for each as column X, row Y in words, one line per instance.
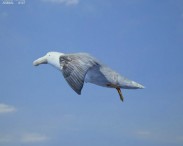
column 74, row 68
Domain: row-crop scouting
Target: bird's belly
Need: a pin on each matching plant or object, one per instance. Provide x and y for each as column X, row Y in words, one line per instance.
column 96, row 77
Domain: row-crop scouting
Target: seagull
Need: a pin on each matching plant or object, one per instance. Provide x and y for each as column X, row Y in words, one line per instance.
column 78, row 68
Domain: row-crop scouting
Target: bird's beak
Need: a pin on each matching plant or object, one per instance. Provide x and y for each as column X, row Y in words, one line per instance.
column 42, row 60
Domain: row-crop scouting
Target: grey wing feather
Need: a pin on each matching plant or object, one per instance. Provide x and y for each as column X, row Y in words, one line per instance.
column 75, row 67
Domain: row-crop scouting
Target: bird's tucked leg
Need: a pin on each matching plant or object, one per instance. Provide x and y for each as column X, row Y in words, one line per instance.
column 118, row 89
column 120, row 94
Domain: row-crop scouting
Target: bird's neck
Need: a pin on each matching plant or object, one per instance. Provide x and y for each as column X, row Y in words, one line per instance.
column 55, row 63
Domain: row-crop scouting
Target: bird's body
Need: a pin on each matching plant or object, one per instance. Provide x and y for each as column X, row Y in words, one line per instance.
column 81, row 67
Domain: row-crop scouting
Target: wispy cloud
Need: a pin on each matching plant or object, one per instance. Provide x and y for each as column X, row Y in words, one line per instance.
column 5, row 138
column 33, row 138
column 143, row 133
column 4, row 108
column 23, row 138
column 180, row 138
column 65, row 2
column 158, row 136
column 3, row 14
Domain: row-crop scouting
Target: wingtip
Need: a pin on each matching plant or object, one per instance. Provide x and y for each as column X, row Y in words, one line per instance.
column 78, row 92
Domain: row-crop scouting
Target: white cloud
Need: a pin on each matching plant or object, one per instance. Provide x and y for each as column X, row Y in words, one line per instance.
column 33, row 138
column 4, row 108
column 66, row 2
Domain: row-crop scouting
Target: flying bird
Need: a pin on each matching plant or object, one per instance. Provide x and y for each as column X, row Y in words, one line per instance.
column 78, row 68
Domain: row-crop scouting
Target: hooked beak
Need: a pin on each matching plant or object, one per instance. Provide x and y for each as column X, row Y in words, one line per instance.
column 42, row 60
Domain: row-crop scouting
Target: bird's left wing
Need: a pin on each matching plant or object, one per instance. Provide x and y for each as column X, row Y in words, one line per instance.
column 74, row 68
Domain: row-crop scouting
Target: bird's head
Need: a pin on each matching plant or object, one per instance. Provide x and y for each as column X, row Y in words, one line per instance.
column 50, row 58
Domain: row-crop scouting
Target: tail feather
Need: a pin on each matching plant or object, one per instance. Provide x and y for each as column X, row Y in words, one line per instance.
column 129, row 84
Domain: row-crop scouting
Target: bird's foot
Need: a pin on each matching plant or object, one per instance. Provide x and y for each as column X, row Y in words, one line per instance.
column 120, row 94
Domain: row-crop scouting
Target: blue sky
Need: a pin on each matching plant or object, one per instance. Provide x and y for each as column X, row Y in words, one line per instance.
column 140, row 39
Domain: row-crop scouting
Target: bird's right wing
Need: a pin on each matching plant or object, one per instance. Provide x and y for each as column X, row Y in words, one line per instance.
column 74, row 68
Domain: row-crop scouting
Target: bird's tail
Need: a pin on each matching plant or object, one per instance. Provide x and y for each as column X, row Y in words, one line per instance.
column 129, row 84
